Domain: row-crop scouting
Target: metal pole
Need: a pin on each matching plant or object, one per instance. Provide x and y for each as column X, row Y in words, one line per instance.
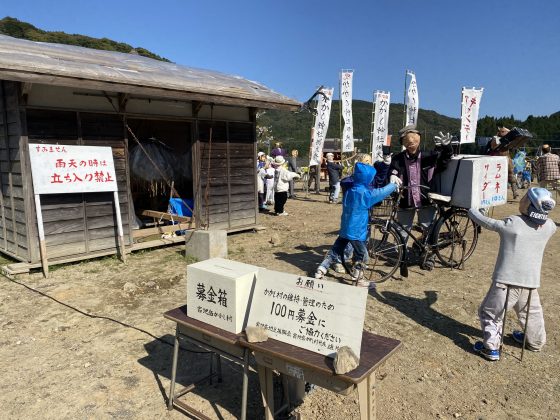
column 173, row 370
column 245, row 384
column 526, row 323
column 504, row 320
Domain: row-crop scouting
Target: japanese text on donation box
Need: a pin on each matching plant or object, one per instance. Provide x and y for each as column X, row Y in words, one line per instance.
column 493, row 185
column 60, row 169
column 320, row 316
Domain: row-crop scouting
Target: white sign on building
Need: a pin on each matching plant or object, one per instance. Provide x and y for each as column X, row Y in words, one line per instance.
column 63, row 169
column 320, row 316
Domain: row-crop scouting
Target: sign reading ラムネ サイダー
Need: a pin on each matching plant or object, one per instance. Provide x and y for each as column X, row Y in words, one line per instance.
column 58, row 169
column 317, row 315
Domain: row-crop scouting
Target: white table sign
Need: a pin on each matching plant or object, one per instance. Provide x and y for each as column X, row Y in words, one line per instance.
column 219, row 291
column 317, row 315
column 66, row 169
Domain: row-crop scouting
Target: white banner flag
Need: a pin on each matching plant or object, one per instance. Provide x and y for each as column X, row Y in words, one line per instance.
column 412, row 101
column 321, row 126
column 380, row 124
column 470, row 105
column 346, row 100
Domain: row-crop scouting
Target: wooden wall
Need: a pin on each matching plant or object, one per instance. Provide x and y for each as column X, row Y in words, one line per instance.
column 226, row 152
column 14, row 238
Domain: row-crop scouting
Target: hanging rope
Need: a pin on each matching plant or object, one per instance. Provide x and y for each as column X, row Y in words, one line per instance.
column 172, row 189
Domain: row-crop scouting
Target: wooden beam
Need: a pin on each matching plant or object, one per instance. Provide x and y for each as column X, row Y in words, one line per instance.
column 165, row 216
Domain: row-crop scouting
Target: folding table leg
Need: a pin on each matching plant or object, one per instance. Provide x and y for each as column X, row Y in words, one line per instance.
column 267, row 391
column 173, row 370
column 245, row 384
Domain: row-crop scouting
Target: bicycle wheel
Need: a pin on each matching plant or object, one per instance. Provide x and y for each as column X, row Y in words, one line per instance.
column 385, row 250
column 451, row 230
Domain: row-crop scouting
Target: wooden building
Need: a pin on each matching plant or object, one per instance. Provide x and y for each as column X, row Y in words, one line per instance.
column 66, row 95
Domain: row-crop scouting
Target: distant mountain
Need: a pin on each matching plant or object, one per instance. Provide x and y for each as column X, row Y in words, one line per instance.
column 18, row 29
column 295, row 128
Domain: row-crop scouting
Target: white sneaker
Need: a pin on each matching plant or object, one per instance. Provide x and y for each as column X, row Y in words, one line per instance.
column 339, row 268
column 320, row 273
column 364, row 283
column 357, row 274
column 282, row 214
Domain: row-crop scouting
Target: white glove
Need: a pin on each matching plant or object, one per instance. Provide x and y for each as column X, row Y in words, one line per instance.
column 444, row 139
column 393, row 179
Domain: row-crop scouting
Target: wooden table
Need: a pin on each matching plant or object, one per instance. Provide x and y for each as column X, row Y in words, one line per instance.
column 318, row 369
column 212, row 339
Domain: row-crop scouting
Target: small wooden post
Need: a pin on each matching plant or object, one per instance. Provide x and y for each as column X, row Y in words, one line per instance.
column 42, row 245
column 119, row 226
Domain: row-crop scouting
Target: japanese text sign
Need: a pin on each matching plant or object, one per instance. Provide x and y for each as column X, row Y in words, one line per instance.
column 321, row 126
column 218, row 292
column 470, row 106
column 320, row 316
column 412, row 101
column 62, row 169
column 346, row 102
column 380, row 123
column 493, row 183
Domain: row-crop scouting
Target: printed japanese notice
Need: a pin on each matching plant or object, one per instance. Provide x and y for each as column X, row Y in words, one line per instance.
column 63, row 169
column 317, row 315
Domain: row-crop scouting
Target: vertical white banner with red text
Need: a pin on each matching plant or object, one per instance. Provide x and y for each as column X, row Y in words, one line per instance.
column 470, row 105
column 412, row 103
column 346, row 109
column 321, row 125
column 380, row 124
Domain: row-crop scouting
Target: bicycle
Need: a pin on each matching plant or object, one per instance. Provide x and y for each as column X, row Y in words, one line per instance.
column 452, row 238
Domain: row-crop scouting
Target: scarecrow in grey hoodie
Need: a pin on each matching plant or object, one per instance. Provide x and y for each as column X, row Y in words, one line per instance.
column 522, row 242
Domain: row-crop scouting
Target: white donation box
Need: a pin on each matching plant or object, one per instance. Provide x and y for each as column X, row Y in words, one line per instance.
column 218, row 292
column 475, row 181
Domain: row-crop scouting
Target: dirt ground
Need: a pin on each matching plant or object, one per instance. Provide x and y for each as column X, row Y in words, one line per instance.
column 91, row 342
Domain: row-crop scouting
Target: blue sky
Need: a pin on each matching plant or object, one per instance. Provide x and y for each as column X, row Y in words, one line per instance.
column 511, row 48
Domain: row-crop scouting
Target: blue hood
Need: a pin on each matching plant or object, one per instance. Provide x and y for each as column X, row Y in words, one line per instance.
column 363, row 174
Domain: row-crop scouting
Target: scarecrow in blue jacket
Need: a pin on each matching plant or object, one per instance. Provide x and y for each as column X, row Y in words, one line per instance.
column 357, row 201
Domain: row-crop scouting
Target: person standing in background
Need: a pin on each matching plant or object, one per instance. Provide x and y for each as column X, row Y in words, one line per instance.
column 334, row 170
column 548, row 167
column 278, row 151
column 292, row 166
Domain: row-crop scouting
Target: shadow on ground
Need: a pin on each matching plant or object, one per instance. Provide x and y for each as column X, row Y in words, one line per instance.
column 193, row 365
column 421, row 311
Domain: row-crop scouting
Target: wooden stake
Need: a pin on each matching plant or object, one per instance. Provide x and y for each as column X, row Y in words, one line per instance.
column 119, row 226
column 42, row 244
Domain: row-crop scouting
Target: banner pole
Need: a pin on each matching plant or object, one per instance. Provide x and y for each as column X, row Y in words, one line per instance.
column 119, row 226
column 41, row 230
column 404, row 98
column 373, row 111
column 339, row 111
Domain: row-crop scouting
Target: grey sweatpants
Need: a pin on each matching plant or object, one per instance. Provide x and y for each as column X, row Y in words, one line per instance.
column 491, row 313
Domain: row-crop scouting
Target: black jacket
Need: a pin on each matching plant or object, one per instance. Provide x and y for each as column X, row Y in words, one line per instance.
column 334, row 170
column 436, row 160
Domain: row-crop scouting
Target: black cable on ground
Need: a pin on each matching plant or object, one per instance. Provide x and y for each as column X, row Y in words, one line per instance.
column 106, row 318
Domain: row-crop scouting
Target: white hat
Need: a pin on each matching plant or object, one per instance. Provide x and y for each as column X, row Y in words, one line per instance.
column 279, row 160
column 260, row 154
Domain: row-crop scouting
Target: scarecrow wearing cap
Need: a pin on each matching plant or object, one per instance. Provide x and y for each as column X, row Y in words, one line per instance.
column 414, row 168
column 522, row 242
